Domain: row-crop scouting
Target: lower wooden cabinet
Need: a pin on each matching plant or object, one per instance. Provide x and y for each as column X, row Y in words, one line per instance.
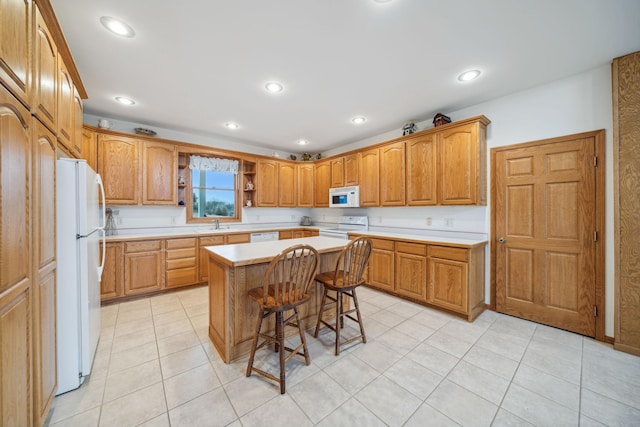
column 448, row 277
column 203, row 254
column 112, row 275
column 143, row 267
column 181, row 262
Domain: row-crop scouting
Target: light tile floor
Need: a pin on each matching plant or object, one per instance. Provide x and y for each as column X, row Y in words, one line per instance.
column 155, row 366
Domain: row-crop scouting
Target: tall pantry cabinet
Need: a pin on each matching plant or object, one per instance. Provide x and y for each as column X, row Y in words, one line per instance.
column 32, row 52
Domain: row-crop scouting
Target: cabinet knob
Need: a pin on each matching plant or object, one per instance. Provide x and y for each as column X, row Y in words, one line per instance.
column 502, row 240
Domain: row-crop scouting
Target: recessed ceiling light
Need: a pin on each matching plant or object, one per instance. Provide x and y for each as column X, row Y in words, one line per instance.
column 469, row 75
column 231, row 125
column 273, row 87
column 358, row 120
column 302, row 142
column 117, row 27
column 125, row 101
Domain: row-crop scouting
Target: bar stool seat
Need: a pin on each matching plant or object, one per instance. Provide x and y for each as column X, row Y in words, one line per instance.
column 344, row 280
column 284, row 287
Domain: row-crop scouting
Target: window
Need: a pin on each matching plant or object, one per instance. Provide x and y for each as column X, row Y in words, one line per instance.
column 213, row 188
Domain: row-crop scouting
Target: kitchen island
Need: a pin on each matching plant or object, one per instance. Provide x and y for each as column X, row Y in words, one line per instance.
column 234, row 269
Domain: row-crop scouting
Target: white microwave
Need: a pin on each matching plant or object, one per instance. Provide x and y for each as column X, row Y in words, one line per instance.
column 344, row 197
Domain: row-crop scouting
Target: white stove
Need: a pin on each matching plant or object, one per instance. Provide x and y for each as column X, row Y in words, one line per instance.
column 347, row 223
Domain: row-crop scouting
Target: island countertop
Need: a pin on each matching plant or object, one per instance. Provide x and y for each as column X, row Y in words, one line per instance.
column 260, row 252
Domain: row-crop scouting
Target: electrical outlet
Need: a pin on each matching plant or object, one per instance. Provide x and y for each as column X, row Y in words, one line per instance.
column 448, row 222
column 429, row 221
column 115, row 211
column 119, row 221
column 173, row 220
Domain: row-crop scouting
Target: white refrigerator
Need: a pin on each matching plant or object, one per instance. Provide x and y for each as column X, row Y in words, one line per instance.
column 78, row 235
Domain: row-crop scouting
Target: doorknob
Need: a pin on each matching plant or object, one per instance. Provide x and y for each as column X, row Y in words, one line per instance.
column 502, row 240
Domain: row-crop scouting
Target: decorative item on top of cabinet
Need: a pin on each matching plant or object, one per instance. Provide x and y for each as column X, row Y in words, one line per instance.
column 440, row 119
column 409, row 128
column 248, row 184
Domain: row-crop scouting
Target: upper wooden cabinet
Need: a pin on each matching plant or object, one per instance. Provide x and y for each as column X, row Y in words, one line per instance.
column 267, row 183
column 421, row 163
column 392, row 177
column 45, row 74
column 160, row 170
column 462, row 171
column 65, row 106
column 287, row 185
column 15, row 46
column 322, row 181
column 337, row 172
column 344, row 171
column 370, row 178
column 118, row 167
column 76, row 139
column 90, row 148
column 305, row 184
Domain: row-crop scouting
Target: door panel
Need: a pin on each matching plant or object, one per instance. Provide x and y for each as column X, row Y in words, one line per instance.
column 545, row 212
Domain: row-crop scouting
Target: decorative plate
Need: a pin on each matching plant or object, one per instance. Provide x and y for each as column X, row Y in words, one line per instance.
column 146, row 132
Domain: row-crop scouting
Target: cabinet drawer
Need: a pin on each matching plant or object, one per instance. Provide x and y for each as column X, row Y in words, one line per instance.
column 457, row 254
column 148, row 246
column 238, row 238
column 211, row 241
column 181, row 277
column 173, row 264
column 382, row 244
column 181, row 253
column 411, row 248
column 181, row 243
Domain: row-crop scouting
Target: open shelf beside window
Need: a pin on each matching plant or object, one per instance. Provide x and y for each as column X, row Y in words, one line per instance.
column 248, row 183
column 183, row 164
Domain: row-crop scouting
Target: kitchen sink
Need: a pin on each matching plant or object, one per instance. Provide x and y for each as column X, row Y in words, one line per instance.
column 212, row 230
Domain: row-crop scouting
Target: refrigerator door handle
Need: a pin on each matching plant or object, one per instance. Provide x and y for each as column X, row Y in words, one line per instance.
column 104, row 253
column 104, row 204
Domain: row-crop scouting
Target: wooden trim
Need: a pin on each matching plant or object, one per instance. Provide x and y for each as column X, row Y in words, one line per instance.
column 51, row 20
column 600, row 255
column 609, row 340
column 616, row 196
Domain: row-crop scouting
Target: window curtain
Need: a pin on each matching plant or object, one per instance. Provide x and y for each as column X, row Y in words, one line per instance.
column 213, row 164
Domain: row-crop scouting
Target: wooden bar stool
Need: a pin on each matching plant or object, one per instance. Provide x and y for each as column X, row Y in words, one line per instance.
column 284, row 287
column 344, row 280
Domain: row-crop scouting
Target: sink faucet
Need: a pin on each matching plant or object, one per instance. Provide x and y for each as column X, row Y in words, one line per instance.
column 217, row 223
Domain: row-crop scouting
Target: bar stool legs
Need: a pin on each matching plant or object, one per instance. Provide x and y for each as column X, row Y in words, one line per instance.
column 340, row 315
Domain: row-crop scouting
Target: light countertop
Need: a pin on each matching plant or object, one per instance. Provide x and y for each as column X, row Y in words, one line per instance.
column 260, row 252
column 449, row 241
column 202, row 232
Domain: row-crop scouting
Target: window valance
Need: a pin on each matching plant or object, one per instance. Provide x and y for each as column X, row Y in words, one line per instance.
column 213, row 164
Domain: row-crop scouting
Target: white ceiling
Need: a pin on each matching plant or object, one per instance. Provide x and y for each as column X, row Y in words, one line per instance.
column 195, row 65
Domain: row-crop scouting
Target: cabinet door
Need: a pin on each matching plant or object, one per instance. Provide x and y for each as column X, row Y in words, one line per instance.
column 118, row 166
column 76, row 140
column 285, row 234
column 267, row 183
column 287, row 185
column 337, row 172
column 160, row 171
column 45, row 76
column 65, row 106
column 370, row 178
column 381, row 269
column 458, row 174
column 142, row 272
column 15, row 261
column 90, row 148
column 322, row 179
column 111, row 282
column 15, row 45
column 392, row 175
column 421, row 171
column 44, row 272
column 411, row 275
column 448, row 284
column 351, row 168
column 305, row 185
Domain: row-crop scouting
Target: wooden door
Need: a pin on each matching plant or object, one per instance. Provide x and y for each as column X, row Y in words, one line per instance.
column 15, row 264
column 545, row 225
column 322, row 179
column 267, row 185
column 15, row 45
column 370, row 178
column 421, row 170
column 45, row 76
column 287, row 185
column 44, row 272
column 392, row 176
column 337, row 172
column 305, row 185
column 351, row 176
column 160, row 171
column 118, row 166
